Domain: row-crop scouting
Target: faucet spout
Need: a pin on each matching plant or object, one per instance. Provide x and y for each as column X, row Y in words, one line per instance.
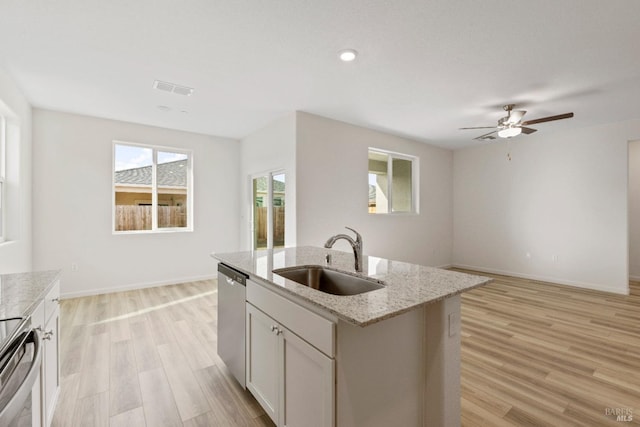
column 356, row 245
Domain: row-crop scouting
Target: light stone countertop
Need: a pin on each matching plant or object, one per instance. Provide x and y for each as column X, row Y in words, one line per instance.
column 407, row 286
column 21, row 292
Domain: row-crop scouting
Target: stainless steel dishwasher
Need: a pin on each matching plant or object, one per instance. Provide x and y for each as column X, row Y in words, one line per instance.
column 20, row 359
column 232, row 295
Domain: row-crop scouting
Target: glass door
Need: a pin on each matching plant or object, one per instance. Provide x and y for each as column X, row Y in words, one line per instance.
column 268, row 210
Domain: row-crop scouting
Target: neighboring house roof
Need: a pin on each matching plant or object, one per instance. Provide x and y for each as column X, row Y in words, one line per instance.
column 278, row 186
column 171, row 174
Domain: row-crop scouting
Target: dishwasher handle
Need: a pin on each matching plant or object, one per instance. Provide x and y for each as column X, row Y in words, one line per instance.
column 15, row 405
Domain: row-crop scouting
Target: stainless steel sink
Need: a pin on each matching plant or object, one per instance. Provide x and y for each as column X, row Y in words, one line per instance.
column 329, row 281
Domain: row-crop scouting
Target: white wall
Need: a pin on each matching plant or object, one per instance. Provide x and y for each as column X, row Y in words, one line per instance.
column 332, row 192
column 72, row 181
column 270, row 148
column 634, row 210
column 15, row 253
column 562, row 195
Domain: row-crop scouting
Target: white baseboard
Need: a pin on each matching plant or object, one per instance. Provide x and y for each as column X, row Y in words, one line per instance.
column 552, row 280
column 444, row 266
column 133, row 286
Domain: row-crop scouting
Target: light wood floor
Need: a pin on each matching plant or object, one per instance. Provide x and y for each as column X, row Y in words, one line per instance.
column 148, row 358
column 533, row 354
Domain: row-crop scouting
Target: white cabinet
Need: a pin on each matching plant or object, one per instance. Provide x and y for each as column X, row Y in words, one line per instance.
column 293, row 380
column 50, row 371
column 307, row 383
column 262, row 360
column 37, row 403
column 46, row 317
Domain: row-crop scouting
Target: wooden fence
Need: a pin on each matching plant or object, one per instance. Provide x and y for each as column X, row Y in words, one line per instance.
column 261, row 226
column 132, row 217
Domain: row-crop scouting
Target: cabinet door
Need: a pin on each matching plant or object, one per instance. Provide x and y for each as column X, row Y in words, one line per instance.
column 307, row 384
column 38, row 416
column 262, row 360
column 50, row 362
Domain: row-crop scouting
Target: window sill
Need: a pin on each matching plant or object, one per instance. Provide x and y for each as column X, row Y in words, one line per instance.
column 158, row 231
column 5, row 242
column 394, row 213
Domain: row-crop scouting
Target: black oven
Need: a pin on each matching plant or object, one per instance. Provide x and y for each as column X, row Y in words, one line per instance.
column 20, row 359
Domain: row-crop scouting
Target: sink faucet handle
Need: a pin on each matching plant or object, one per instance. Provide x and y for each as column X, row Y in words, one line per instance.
column 358, row 236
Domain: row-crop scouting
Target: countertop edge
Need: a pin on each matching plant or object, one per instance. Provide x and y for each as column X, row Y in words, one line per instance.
column 45, row 291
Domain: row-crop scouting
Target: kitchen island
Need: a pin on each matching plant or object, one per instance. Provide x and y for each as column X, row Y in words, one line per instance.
column 390, row 356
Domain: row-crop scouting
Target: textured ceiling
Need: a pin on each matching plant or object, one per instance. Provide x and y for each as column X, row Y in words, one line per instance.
column 426, row 67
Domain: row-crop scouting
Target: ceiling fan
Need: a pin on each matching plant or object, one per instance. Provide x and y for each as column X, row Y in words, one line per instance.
column 512, row 124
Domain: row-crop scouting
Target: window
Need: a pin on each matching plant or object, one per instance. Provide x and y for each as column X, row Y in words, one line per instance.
column 268, row 224
column 392, row 182
column 3, row 156
column 151, row 188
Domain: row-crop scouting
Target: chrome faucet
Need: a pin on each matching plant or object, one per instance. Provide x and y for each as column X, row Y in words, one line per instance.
column 355, row 244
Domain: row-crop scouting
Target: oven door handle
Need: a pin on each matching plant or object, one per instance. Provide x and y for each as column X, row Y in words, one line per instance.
column 16, row 403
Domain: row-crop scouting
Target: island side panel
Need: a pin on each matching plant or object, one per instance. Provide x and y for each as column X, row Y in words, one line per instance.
column 442, row 361
column 380, row 372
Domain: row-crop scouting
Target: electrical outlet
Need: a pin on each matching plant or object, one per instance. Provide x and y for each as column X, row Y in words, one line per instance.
column 554, row 258
column 74, row 267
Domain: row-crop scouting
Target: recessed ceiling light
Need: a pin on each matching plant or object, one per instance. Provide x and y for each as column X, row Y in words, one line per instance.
column 347, row 55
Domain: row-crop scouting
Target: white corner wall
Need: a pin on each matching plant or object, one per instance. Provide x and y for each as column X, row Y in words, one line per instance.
column 634, row 210
column 332, row 192
column 15, row 253
column 72, row 181
column 270, row 148
column 557, row 212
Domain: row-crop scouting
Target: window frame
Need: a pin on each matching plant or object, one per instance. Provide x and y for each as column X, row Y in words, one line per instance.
column 415, row 179
column 3, row 180
column 154, row 188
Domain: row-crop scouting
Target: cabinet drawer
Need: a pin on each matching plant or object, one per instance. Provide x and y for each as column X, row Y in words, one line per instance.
column 52, row 300
column 313, row 328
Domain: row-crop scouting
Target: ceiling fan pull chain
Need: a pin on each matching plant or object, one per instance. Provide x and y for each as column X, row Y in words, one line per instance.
column 509, row 149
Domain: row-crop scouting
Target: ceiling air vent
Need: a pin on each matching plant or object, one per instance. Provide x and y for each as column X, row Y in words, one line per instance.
column 174, row 88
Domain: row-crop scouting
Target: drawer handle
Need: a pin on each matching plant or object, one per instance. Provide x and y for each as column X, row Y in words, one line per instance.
column 56, row 300
column 47, row 335
column 275, row 329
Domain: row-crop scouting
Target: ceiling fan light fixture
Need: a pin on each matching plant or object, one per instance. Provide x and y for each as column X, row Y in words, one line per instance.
column 509, row 132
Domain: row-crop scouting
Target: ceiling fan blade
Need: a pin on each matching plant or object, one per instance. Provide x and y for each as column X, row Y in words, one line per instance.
column 481, row 127
column 486, row 136
column 528, row 131
column 516, row 116
column 548, row 119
